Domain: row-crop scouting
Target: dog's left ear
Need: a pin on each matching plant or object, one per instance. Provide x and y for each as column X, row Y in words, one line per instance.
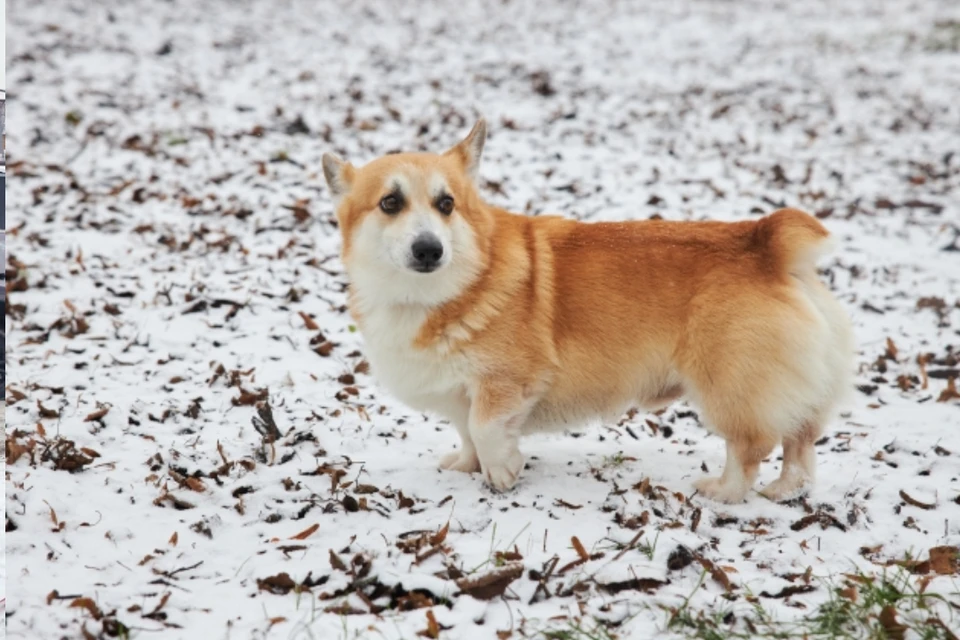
column 471, row 148
column 339, row 175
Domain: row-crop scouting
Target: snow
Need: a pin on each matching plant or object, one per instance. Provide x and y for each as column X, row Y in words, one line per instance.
column 180, row 185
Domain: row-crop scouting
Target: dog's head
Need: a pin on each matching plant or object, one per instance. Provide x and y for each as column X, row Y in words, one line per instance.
column 411, row 222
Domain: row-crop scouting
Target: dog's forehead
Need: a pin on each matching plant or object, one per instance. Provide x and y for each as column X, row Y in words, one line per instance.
column 416, row 181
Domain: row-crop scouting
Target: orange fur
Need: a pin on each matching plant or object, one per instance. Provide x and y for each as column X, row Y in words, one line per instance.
column 557, row 322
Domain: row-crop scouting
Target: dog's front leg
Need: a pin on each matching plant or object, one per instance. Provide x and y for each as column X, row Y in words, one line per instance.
column 456, row 409
column 497, row 414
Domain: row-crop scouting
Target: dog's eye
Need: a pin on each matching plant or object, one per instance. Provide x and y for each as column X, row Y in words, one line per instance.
column 445, row 205
column 391, row 204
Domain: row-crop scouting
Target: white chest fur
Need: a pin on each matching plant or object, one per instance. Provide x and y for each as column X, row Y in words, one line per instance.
column 414, row 375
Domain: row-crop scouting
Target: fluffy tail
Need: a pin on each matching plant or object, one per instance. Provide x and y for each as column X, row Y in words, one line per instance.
column 796, row 239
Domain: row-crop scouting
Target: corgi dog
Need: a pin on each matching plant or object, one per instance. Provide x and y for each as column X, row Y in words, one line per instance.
column 507, row 325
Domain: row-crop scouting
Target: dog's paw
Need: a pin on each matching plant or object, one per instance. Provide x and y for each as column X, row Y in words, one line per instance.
column 460, row 460
column 504, row 473
column 719, row 491
column 786, row 488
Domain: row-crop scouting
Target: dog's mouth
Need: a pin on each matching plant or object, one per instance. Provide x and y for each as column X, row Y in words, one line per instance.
column 424, row 268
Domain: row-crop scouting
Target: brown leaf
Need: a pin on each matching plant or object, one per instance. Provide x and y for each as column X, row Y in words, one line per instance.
column 47, row 413
column 578, row 547
column 248, row 398
column 306, row 533
column 14, row 396
column 178, row 504
column 916, row 503
column 433, row 629
column 365, row 488
column 336, row 562
column 58, row 526
column 156, row 610
column 790, row 590
column 888, row 618
column 718, row 574
column 14, row 449
column 849, row 592
column 279, row 584
column 89, row 605
column 922, row 361
column 173, row 539
column 98, row 414
column 491, row 584
column 950, row 393
column 440, row 536
column 824, row 519
column 932, row 302
column 695, row 520
column 891, row 353
column 945, row 560
column 90, row 452
column 679, row 558
column 646, row 585
column 308, row 322
column 324, row 349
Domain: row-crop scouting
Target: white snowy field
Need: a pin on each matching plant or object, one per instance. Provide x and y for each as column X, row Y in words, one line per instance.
column 173, row 272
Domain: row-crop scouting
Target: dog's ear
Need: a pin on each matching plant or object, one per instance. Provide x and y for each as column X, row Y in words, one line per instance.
column 471, row 148
column 339, row 175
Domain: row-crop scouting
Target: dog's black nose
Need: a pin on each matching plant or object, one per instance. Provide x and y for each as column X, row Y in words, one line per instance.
column 427, row 251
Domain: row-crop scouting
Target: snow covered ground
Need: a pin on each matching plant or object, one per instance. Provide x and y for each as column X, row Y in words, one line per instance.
column 172, row 263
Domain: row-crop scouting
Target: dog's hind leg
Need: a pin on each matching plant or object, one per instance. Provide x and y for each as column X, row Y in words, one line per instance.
column 799, row 464
column 745, row 452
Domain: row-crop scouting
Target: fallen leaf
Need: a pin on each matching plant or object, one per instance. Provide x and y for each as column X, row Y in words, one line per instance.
column 679, row 558
column 945, row 560
column 308, row 322
column 47, row 413
column 849, row 592
column 306, row 533
column 279, row 584
column 824, row 519
column 790, row 590
column 441, row 535
column 433, row 629
column 716, row 573
column 98, row 414
column 888, row 618
column 950, row 393
column 695, row 520
column 578, row 547
column 891, row 353
column 916, row 503
column 89, row 605
column 646, row 585
column 491, row 584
